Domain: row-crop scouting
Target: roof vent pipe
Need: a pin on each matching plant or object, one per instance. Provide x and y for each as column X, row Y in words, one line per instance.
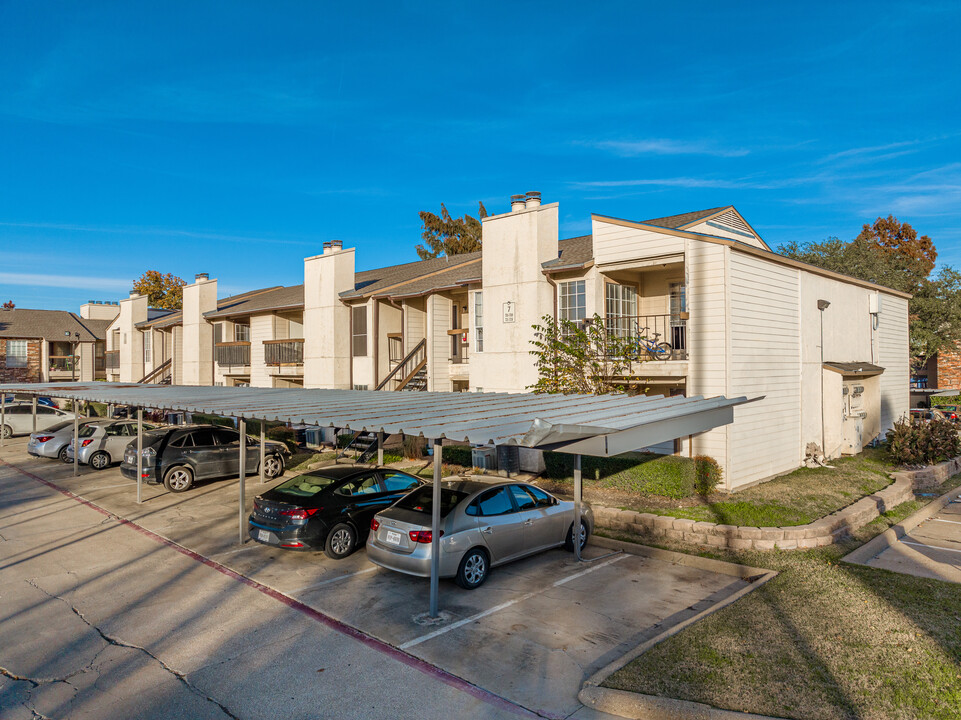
column 326, row 246
column 134, row 293
column 336, row 244
column 518, row 202
column 201, row 276
column 533, row 200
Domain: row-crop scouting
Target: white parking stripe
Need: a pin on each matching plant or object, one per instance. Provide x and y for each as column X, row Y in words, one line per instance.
column 931, row 547
column 333, row 580
column 496, row 608
column 953, row 522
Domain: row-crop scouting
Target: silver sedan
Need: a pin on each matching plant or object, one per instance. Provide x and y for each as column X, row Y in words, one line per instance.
column 103, row 443
column 482, row 526
column 52, row 442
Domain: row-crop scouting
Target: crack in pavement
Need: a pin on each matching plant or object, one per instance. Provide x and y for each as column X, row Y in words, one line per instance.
column 181, row 677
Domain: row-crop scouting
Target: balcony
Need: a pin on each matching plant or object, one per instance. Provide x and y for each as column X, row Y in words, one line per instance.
column 112, row 359
column 283, row 352
column 63, row 366
column 652, row 337
column 232, row 354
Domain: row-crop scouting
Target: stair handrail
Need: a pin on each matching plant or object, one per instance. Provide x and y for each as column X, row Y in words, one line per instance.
column 406, row 375
column 157, row 372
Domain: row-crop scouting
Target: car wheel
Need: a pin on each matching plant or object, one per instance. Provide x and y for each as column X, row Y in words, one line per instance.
column 63, row 455
column 6, row 431
column 473, row 569
column 569, row 543
column 273, row 466
column 99, row 460
column 178, row 479
column 341, row 541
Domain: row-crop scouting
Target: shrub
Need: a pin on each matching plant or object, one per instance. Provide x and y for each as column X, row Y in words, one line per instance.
column 412, row 447
column 457, row 455
column 707, row 474
column 283, row 434
column 938, row 400
column 344, row 439
column 923, row 443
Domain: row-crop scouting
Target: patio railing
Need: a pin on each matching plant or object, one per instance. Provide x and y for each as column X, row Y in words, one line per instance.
column 112, row 359
column 642, row 330
column 232, row 353
column 284, row 352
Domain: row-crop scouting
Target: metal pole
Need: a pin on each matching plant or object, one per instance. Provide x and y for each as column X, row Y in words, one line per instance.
column 140, row 455
column 242, row 426
column 3, row 416
column 435, row 531
column 34, row 403
column 76, row 442
column 380, row 449
column 263, row 439
column 578, row 490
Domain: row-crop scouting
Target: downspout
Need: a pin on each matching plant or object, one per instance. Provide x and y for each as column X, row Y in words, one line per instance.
column 376, row 337
column 553, row 285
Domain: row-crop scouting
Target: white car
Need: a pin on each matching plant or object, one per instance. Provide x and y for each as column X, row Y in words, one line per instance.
column 103, row 443
column 18, row 418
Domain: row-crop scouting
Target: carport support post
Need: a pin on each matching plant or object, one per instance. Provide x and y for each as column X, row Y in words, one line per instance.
column 435, row 531
column 576, row 528
column 242, row 426
column 34, row 403
column 380, row 449
column 140, row 455
column 76, row 442
column 3, row 415
column 263, row 439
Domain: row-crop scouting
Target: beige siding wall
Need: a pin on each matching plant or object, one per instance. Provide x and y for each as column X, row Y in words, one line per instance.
column 765, row 360
column 261, row 328
column 389, row 321
column 893, row 356
column 416, row 318
column 178, row 355
column 438, row 342
column 616, row 243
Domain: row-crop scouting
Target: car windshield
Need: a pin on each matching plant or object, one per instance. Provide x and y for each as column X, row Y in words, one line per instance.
column 304, row 485
column 422, row 500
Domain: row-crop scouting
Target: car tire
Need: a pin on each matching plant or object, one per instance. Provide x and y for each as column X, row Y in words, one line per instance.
column 179, row 479
column 473, row 569
column 341, row 541
column 569, row 542
column 6, row 431
column 273, row 466
column 99, row 460
column 63, row 455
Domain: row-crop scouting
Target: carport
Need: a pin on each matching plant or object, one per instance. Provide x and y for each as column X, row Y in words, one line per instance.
column 595, row 425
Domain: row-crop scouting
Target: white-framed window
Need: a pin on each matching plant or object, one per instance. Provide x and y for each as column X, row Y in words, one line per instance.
column 241, row 332
column 621, row 309
column 572, row 301
column 478, row 321
column 148, row 345
column 358, row 330
column 218, row 333
column 16, row 353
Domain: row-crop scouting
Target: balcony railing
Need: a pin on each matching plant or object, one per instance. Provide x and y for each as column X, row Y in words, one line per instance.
column 284, row 352
column 649, row 333
column 232, row 353
column 112, row 359
column 63, row 363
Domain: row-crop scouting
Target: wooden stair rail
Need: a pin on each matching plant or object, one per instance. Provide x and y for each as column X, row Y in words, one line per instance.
column 402, row 370
column 157, row 372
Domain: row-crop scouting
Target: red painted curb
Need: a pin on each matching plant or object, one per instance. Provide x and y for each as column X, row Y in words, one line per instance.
column 379, row 645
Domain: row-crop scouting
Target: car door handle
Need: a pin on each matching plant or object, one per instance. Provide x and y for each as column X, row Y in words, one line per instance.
column 488, row 531
column 528, row 522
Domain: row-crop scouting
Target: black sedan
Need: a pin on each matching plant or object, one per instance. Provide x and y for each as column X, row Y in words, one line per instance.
column 330, row 508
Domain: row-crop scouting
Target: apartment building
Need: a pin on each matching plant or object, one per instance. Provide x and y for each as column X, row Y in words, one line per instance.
column 828, row 353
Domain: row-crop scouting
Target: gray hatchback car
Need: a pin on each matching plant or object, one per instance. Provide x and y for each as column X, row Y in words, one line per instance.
column 103, row 443
column 482, row 526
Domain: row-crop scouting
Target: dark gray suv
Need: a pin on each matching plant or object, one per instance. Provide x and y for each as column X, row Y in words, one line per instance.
column 180, row 456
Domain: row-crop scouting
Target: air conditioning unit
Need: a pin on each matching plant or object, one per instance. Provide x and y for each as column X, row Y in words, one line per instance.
column 484, row 458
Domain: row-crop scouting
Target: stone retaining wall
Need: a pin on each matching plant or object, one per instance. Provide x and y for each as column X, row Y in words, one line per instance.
column 825, row 531
column 932, row 476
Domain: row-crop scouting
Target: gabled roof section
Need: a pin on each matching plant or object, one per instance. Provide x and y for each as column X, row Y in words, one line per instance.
column 393, row 280
column 685, row 220
column 176, row 317
column 50, row 325
column 280, row 298
column 573, row 253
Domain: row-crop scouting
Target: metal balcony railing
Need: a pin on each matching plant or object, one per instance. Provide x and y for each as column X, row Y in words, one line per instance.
column 284, row 352
column 648, row 333
column 112, row 359
column 63, row 363
column 232, row 353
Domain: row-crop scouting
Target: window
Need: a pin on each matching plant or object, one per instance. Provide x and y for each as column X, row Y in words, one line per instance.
column 218, row 333
column 621, row 309
column 358, row 325
column 478, row 322
column 361, row 387
column 678, row 324
column 399, row 482
column 16, row 353
column 493, row 502
column 203, row 438
column 44, row 410
column 227, row 437
column 571, row 301
column 148, row 346
column 522, row 498
column 540, row 497
column 422, row 500
column 365, row 485
column 183, row 441
column 241, row 332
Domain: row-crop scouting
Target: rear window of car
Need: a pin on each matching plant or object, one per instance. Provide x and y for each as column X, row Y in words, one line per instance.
column 87, row 430
column 60, row 426
column 422, row 500
column 304, row 485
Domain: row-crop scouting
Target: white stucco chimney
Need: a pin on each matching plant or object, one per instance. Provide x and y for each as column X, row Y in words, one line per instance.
column 327, row 361
column 518, row 202
column 533, row 199
column 198, row 341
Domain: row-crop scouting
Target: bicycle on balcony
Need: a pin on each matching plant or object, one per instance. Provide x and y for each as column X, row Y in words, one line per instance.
column 641, row 344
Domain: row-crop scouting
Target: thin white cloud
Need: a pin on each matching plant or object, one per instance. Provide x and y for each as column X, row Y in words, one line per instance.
column 665, row 146
column 65, row 281
column 871, row 150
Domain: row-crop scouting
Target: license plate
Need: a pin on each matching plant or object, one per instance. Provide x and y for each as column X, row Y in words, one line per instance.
column 393, row 537
column 263, row 536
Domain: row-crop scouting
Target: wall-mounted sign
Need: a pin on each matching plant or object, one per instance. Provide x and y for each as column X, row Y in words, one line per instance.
column 509, row 307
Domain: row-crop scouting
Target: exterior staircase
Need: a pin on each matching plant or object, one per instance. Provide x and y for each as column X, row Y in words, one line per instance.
column 410, row 373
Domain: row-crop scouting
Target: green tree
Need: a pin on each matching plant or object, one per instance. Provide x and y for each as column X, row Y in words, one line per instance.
column 446, row 235
column 162, row 291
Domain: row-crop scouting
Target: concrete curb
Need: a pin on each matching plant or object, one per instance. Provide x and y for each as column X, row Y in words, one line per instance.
column 651, row 707
column 870, row 550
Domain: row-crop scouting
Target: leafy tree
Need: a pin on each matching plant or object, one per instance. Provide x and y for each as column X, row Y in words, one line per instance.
column 572, row 359
column 891, row 254
column 162, row 291
column 446, row 235
column 9, row 305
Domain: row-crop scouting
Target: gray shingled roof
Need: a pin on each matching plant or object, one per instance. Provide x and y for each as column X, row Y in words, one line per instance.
column 379, row 281
column 176, row 317
column 49, row 325
column 573, row 252
column 676, row 222
column 281, row 298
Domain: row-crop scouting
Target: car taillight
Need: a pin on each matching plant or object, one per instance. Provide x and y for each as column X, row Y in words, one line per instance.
column 295, row 544
column 374, row 524
column 423, row 536
column 299, row 513
column 86, row 442
column 44, row 438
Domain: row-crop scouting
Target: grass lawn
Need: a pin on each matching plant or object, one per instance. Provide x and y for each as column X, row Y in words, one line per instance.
column 797, row 498
column 822, row 640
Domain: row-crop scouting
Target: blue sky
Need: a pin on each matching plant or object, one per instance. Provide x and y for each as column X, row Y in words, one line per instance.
column 235, row 137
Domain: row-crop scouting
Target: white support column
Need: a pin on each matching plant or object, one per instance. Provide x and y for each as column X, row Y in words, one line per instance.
column 3, row 416
column 263, row 439
column 34, row 403
column 578, row 496
column 380, row 449
column 435, row 531
column 140, row 455
column 242, row 504
column 76, row 442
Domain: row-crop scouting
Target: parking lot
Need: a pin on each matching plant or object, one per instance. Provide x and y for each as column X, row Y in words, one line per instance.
column 531, row 634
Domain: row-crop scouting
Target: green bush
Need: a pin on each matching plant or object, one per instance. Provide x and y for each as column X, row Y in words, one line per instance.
column 457, row 455
column 708, row 474
column 923, row 443
column 344, row 439
column 938, row 400
column 283, row 434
